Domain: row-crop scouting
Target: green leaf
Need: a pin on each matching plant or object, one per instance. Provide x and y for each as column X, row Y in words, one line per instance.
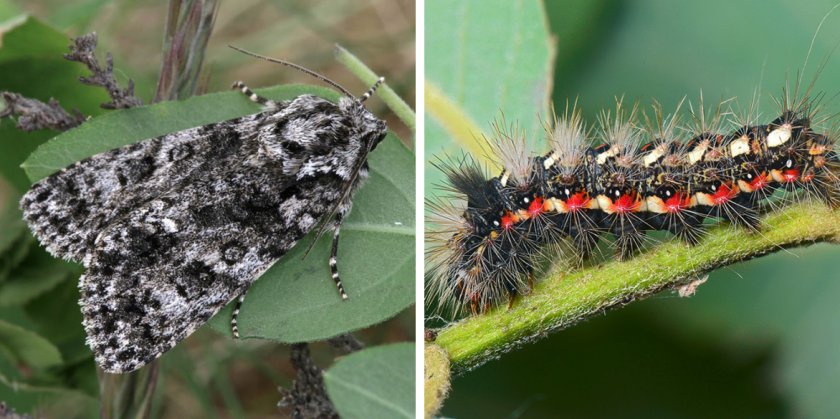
column 31, row 64
column 77, row 14
column 16, row 253
column 11, row 221
column 47, row 401
column 56, row 316
column 29, row 347
column 491, row 58
column 8, row 10
column 296, row 300
column 374, row 383
column 37, row 274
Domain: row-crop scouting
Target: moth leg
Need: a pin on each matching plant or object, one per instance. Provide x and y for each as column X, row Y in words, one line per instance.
column 239, row 85
column 334, row 253
column 234, row 328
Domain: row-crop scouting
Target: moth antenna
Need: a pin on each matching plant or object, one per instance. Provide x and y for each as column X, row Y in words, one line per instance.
column 296, row 67
column 372, row 89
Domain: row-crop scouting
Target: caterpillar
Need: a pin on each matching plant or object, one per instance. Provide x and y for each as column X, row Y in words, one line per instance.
column 634, row 173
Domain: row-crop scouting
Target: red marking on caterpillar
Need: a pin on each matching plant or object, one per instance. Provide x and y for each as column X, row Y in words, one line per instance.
column 577, row 202
column 625, row 204
column 508, row 220
column 678, row 202
column 724, row 193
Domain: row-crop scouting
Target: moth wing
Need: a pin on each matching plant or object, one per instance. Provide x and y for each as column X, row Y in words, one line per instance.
column 68, row 209
column 165, row 268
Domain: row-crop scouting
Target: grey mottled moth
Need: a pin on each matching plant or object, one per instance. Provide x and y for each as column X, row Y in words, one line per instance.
column 171, row 229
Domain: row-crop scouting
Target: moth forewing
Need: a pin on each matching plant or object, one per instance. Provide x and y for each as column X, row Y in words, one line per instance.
column 172, row 228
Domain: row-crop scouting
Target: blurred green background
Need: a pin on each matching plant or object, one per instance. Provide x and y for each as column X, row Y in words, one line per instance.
column 759, row 339
column 208, row 375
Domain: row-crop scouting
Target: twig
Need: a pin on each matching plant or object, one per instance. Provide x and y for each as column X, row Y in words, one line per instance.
column 308, row 397
column 82, row 51
column 391, row 98
column 564, row 299
column 35, row 115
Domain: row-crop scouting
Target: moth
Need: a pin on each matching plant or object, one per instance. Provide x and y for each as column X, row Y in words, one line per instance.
column 171, row 229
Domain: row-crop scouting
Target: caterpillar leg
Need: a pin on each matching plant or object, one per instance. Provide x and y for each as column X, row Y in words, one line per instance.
column 239, row 85
column 334, row 254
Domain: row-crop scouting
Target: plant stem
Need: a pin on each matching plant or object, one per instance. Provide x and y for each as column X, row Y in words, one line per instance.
column 188, row 27
column 566, row 298
column 189, row 24
column 365, row 74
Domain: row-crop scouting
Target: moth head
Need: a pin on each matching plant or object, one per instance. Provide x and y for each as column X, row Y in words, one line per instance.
column 370, row 129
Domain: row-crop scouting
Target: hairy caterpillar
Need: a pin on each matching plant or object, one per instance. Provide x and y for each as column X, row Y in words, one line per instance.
column 649, row 171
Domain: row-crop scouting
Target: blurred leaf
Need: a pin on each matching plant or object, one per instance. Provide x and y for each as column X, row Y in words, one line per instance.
column 31, row 64
column 29, row 347
column 376, row 382
column 11, row 221
column 792, row 304
column 15, row 255
column 297, row 300
column 8, row 10
column 77, row 14
column 56, row 316
column 47, row 400
column 626, row 364
column 490, row 58
column 37, row 274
